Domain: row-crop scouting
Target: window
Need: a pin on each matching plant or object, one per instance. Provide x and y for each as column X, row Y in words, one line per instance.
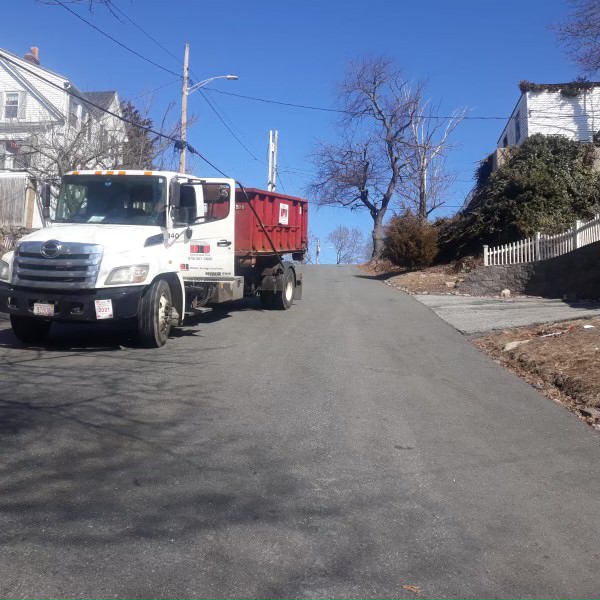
column 130, row 200
column 217, row 200
column 517, row 127
column 11, row 105
column 505, row 141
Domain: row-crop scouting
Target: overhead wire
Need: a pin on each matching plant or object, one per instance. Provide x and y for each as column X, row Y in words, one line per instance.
column 154, row 90
column 213, row 108
column 140, row 28
column 542, row 114
column 211, row 104
column 545, row 114
column 178, row 142
column 116, row 41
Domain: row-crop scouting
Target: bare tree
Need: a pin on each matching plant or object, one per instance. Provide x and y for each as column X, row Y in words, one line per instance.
column 580, row 33
column 347, row 243
column 147, row 145
column 364, row 169
column 55, row 150
column 426, row 177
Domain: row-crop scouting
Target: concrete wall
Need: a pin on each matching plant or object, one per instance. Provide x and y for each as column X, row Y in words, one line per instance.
column 576, row 273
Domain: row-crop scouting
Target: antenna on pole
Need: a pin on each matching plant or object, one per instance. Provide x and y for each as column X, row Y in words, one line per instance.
column 272, row 180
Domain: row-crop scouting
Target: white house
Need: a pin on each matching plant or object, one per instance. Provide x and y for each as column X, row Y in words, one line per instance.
column 569, row 109
column 43, row 112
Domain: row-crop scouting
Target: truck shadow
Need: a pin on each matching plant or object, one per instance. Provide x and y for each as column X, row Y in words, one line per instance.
column 88, row 338
column 219, row 312
column 107, row 337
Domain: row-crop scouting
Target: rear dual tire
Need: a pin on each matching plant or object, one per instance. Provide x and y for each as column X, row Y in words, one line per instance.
column 284, row 299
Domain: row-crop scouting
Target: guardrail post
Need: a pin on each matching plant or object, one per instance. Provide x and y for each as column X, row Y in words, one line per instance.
column 486, row 260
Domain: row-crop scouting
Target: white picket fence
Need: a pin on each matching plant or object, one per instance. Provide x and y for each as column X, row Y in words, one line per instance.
column 542, row 246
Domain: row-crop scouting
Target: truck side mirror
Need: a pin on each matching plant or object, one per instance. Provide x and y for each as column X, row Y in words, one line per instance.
column 46, row 199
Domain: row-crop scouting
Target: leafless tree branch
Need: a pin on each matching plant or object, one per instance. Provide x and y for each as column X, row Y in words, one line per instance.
column 580, row 33
column 364, row 169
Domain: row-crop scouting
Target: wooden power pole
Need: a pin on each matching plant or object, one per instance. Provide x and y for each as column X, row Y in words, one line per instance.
column 184, row 95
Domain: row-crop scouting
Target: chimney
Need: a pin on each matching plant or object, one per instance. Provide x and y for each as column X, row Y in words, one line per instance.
column 33, row 56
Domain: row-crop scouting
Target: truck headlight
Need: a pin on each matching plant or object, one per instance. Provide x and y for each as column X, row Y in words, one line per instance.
column 4, row 269
column 130, row 274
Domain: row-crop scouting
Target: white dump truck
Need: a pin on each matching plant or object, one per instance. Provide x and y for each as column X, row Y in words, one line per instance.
column 151, row 247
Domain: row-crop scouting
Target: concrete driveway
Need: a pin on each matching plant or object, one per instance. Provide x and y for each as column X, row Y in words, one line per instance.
column 476, row 314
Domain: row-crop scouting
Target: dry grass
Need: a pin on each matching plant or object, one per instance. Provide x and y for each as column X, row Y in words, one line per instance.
column 440, row 279
column 562, row 360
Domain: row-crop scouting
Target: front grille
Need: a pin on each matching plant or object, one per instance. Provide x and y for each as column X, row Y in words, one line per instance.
column 76, row 266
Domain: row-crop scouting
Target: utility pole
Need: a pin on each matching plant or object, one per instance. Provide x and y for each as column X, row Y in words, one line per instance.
column 184, row 95
column 272, row 180
column 317, row 251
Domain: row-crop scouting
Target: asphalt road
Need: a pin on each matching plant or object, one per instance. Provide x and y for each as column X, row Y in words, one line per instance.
column 348, row 447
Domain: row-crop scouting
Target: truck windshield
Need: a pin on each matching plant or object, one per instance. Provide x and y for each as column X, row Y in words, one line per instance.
column 119, row 199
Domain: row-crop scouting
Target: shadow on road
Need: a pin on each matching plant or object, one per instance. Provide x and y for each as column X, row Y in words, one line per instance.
column 110, row 336
column 376, row 276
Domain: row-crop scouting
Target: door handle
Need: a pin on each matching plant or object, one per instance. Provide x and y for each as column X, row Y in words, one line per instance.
column 223, row 243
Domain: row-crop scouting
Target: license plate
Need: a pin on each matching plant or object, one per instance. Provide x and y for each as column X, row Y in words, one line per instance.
column 43, row 309
column 104, row 309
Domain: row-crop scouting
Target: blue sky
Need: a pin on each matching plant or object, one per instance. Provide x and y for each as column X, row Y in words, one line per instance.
column 472, row 53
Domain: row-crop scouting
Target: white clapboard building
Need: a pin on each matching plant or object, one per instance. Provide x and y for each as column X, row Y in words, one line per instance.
column 569, row 109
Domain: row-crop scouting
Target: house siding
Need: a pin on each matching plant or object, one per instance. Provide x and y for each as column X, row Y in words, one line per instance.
column 576, row 117
column 35, row 111
column 550, row 112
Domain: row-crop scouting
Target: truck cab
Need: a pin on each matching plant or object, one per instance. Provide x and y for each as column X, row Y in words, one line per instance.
column 150, row 246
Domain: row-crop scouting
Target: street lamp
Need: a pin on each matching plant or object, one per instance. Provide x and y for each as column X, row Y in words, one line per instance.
column 204, row 82
column 185, row 92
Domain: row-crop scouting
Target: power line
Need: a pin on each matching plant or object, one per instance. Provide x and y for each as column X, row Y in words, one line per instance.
column 209, row 102
column 152, row 91
column 115, row 7
column 110, row 37
column 427, row 117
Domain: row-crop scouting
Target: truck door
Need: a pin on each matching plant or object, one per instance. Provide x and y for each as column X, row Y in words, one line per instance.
column 209, row 252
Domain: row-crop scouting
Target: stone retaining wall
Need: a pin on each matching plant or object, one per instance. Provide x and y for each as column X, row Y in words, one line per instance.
column 577, row 273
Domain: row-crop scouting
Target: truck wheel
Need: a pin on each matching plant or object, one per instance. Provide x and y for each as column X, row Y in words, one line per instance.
column 284, row 299
column 154, row 318
column 30, row 330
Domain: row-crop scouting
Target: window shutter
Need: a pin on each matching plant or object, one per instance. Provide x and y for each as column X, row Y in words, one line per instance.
column 22, row 106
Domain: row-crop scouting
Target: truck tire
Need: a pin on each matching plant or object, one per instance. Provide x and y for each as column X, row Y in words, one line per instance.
column 284, row 299
column 30, row 330
column 154, row 317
